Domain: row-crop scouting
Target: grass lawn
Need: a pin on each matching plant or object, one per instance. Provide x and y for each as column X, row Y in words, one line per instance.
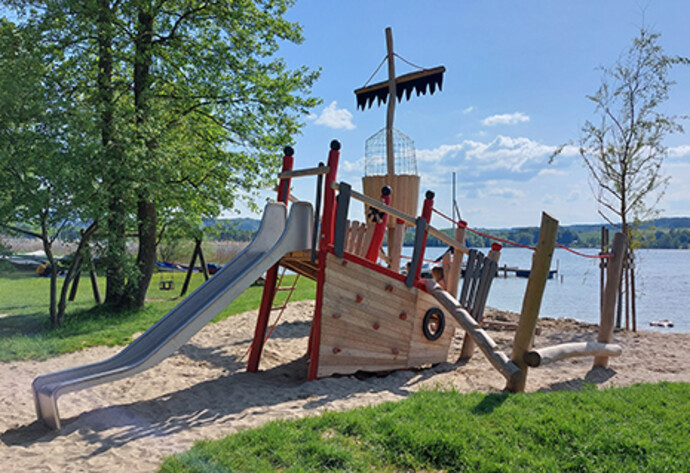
column 638, row 428
column 25, row 331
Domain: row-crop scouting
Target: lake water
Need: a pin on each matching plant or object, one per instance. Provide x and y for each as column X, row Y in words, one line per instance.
column 662, row 283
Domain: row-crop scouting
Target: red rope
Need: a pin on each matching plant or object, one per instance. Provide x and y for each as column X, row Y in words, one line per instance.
column 584, row 255
column 509, row 242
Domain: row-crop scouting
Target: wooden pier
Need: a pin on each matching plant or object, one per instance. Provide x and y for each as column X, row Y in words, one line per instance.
column 519, row 272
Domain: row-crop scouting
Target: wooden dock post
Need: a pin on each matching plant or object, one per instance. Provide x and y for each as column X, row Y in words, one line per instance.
column 531, row 303
column 614, row 267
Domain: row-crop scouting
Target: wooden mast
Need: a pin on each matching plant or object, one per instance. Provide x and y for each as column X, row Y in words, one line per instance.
column 390, row 114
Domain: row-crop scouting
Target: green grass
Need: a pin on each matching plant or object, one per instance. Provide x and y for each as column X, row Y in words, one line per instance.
column 25, row 331
column 638, row 428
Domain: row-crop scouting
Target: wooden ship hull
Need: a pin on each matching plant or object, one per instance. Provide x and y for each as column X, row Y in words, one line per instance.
column 372, row 322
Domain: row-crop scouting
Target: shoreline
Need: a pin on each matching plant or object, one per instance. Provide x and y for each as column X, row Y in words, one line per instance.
column 203, row 391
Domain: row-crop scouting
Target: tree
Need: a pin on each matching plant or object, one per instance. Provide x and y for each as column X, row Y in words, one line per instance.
column 190, row 104
column 624, row 149
column 46, row 186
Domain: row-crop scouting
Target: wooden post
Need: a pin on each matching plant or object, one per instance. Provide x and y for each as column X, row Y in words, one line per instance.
column 531, row 303
column 392, row 96
column 614, row 267
column 269, row 290
column 202, row 261
column 456, row 266
column 396, row 238
column 426, row 215
column 190, row 270
column 94, row 282
column 468, row 343
column 632, row 290
column 341, row 222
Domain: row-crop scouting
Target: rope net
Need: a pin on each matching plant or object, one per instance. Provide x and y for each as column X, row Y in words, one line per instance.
column 375, row 163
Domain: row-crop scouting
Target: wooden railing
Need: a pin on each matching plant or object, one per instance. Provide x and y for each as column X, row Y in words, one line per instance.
column 405, row 217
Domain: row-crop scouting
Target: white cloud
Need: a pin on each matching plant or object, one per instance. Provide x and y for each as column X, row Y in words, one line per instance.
column 505, row 119
column 494, row 190
column 469, row 109
column 334, row 117
column 679, row 151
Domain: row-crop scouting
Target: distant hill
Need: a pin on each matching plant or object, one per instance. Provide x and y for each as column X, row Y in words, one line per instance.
column 668, row 232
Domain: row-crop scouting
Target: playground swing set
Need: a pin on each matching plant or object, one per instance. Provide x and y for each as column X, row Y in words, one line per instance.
column 369, row 315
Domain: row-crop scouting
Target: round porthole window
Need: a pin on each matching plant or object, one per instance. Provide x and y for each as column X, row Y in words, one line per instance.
column 434, row 323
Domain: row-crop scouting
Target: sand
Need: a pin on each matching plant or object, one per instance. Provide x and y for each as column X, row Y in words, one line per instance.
column 203, row 392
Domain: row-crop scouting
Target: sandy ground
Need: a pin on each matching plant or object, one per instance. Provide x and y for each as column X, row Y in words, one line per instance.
column 203, row 392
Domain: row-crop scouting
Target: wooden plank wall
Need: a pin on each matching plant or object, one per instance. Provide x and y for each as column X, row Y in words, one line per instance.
column 370, row 322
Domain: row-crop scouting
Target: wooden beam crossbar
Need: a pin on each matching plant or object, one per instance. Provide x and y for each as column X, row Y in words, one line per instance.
column 405, row 217
column 304, row 172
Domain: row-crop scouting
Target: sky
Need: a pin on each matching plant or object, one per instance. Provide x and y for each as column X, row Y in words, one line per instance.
column 516, row 85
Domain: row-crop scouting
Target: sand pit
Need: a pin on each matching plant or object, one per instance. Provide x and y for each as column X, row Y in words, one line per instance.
column 203, row 391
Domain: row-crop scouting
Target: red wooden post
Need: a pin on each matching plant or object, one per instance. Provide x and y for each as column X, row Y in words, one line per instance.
column 326, row 239
column 269, row 291
column 380, row 230
column 426, row 214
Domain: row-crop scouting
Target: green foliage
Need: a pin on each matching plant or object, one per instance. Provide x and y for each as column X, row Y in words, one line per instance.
column 26, row 334
column 639, row 428
column 171, row 111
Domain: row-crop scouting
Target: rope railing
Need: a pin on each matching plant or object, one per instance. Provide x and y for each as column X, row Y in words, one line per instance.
column 520, row 245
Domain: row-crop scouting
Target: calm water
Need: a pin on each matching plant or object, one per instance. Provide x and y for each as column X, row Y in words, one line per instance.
column 662, row 281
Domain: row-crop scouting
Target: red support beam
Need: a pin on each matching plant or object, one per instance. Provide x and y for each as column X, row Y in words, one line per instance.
column 269, row 291
column 326, row 241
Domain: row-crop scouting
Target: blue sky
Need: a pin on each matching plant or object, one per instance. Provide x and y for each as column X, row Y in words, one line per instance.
column 516, row 83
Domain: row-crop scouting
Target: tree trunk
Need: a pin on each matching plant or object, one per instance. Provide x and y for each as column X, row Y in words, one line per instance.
column 146, row 208
column 146, row 256
column 113, row 176
column 47, row 248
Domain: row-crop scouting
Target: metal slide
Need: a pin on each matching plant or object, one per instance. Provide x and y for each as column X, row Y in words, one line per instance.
column 276, row 237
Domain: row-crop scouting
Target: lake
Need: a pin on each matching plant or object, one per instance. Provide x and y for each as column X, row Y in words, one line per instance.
column 662, row 282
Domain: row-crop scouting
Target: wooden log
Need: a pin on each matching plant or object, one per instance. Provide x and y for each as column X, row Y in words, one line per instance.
column 497, row 358
column 546, row 355
column 614, row 268
column 531, row 303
